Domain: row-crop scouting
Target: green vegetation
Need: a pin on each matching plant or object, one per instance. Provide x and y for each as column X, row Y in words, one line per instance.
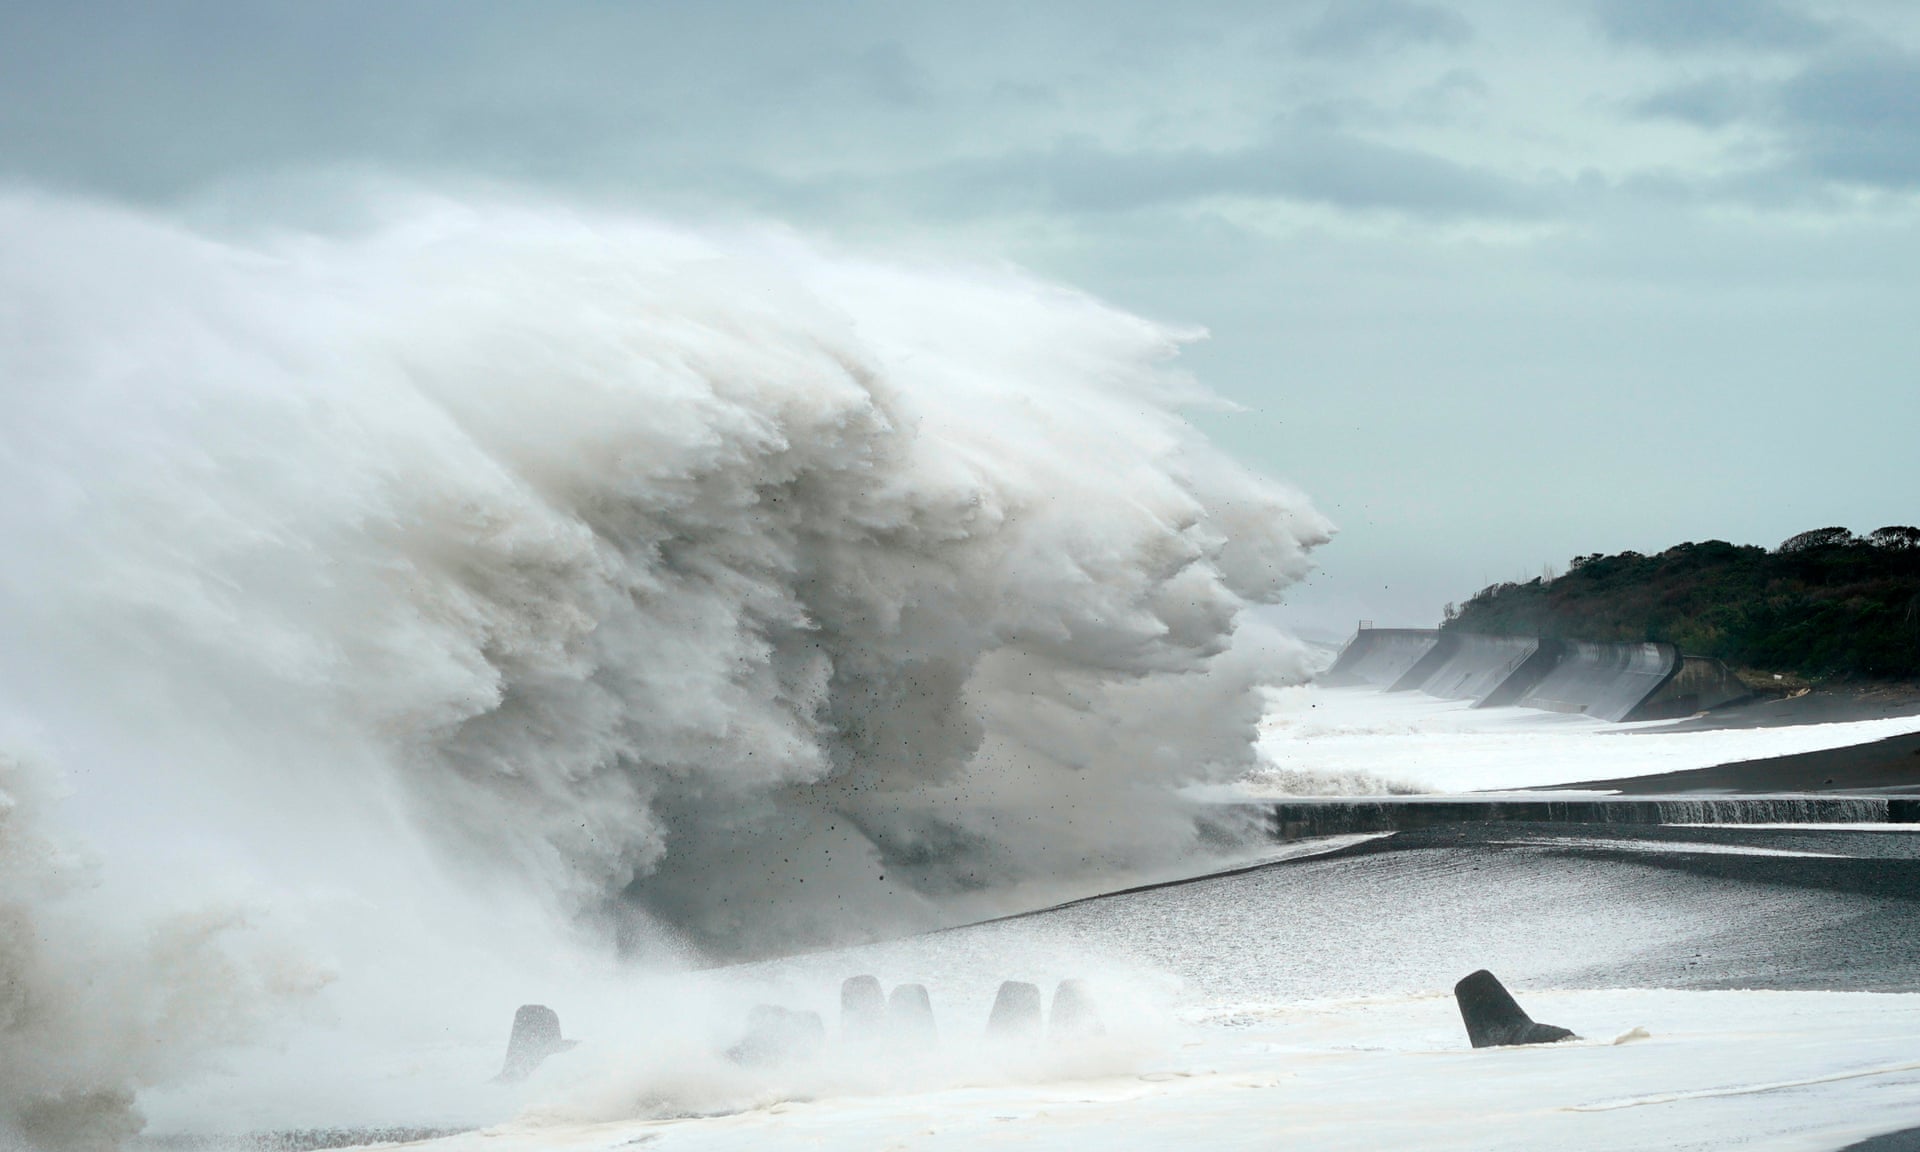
column 1825, row 603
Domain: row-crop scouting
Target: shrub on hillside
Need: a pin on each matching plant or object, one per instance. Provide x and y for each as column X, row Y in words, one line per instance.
column 1824, row 603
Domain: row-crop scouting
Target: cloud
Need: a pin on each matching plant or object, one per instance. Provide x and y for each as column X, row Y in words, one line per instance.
column 1442, row 100
column 1309, row 165
column 1711, row 103
column 1856, row 120
column 1684, row 25
column 891, row 76
column 1848, row 120
column 1353, row 27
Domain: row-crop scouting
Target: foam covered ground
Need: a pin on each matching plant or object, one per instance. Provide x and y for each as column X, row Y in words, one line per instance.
column 1351, row 740
column 1773, row 1070
column 1306, row 1005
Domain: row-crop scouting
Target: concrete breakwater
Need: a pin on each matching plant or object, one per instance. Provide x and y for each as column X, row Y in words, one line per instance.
column 1308, row 817
column 1651, row 681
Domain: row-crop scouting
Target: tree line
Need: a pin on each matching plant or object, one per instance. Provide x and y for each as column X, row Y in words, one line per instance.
column 1825, row 603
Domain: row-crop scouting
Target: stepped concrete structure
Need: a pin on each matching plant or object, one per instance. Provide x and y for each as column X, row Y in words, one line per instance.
column 1605, row 681
column 1489, row 670
column 1615, row 682
column 1379, row 657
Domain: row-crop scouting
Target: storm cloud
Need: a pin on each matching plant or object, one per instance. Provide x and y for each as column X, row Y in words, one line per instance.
column 1403, row 222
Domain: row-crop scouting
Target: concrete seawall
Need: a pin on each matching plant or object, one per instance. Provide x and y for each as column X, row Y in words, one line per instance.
column 1605, row 681
column 1699, row 683
column 1489, row 670
column 1377, row 657
column 1308, row 817
column 1613, row 682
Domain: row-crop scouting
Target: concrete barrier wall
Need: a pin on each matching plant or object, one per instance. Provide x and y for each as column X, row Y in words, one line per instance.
column 1605, row 681
column 1700, row 683
column 1424, row 668
column 1477, row 667
column 1304, row 817
column 1376, row 657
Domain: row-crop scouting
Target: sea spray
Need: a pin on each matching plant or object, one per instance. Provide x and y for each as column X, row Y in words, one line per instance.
column 493, row 586
column 94, row 1006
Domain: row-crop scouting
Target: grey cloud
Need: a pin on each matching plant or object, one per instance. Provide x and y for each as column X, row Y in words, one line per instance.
column 153, row 99
column 1850, row 120
column 1680, row 25
column 1857, row 120
column 1712, row 103
column 1310, row 165
column 891, row 75
column 1440, row 101
column 1351, row 27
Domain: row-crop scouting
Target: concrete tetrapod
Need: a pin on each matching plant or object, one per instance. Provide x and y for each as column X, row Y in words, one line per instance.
column 863, row 1009
column 1494, row 1018
column 535, row 1036
column 1016, row 1012
column 1073, row 1013
column 910, row 1016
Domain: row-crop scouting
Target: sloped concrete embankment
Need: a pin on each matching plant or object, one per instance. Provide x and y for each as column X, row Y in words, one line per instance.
column 1605, row 681
column 1651, row 681
column 1698, row 684
column 1489, row 670
column 1377, row 657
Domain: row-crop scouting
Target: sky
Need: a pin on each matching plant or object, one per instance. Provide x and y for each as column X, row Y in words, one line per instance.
column 1497, row 282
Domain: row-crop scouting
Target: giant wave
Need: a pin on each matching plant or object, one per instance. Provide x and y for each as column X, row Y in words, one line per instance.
column 492, row 572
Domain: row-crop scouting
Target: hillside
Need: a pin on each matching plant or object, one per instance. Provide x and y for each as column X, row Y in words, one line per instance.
column 1823, row 604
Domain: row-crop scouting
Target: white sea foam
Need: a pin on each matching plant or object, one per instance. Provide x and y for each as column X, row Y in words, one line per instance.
column 1357, row 741
column 434, row 609
column 1808, row 1071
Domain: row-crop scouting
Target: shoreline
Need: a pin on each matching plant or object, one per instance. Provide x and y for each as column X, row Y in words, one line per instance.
column 1883, row 767
column 1839, row 705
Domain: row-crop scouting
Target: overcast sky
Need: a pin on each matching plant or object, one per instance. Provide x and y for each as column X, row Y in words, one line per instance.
column 1497, row 282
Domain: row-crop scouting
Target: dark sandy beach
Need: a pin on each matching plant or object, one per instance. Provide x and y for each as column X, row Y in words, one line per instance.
column 1891, row 765
column 1833, row 705
column 1883, row 766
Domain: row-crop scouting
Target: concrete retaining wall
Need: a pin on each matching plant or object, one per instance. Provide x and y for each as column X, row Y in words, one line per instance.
column 1605, row 681
column 1376, row 657
column 1480, row 668
column 1306, row 818
column 1700, row 683
column 1423, row 669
